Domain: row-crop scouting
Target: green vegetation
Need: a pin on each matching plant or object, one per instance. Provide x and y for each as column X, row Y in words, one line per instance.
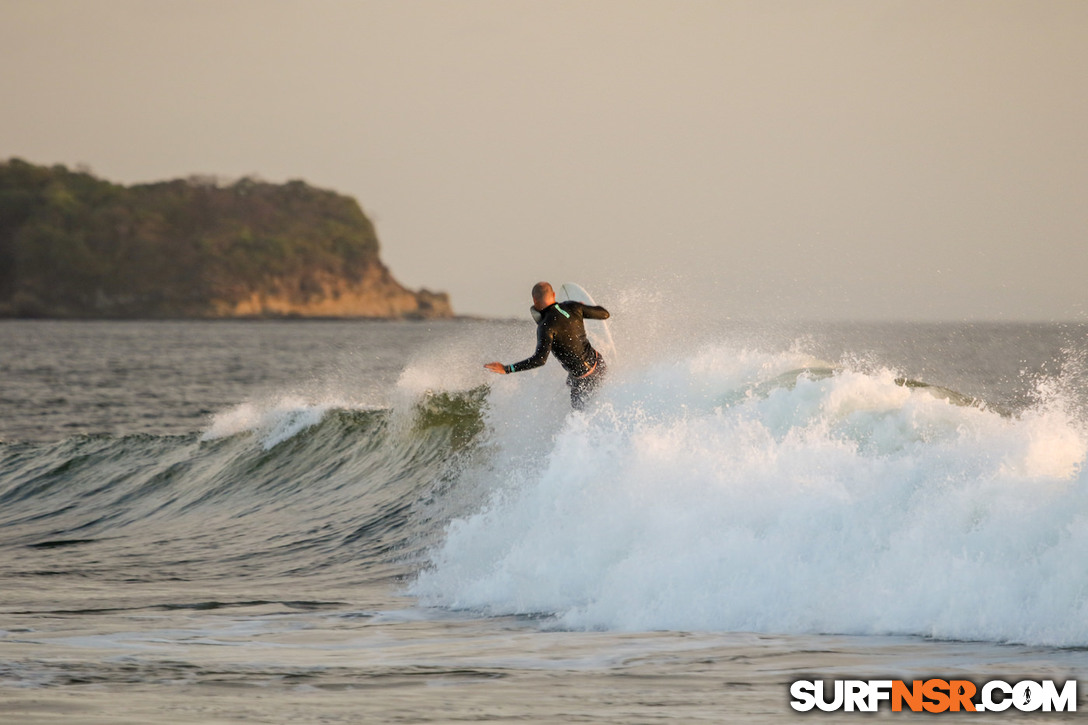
column 72, row 245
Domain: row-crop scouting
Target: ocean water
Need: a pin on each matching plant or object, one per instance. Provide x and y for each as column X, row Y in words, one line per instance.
column 322, row 522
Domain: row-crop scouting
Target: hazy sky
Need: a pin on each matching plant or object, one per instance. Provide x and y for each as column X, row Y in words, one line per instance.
column 919, row 159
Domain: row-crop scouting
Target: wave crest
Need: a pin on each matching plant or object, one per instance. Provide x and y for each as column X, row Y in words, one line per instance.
column 750, row 492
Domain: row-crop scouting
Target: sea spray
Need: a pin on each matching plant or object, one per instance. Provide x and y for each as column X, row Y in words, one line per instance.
column 746, row 491
column 273, row 423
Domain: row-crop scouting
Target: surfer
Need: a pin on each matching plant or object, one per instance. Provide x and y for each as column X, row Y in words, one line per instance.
column 559, row 329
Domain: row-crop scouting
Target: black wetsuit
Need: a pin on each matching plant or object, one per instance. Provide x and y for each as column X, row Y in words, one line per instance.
column 560, row 330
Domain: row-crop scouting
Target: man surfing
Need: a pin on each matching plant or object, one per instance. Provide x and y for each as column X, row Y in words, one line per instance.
column 559, row 329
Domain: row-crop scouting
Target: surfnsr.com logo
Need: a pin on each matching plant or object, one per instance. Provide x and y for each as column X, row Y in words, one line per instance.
column 933, row 695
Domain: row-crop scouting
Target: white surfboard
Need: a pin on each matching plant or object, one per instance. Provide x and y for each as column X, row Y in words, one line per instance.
column 600, row 337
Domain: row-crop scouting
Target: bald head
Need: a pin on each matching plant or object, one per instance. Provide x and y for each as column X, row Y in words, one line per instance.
column 543, row 295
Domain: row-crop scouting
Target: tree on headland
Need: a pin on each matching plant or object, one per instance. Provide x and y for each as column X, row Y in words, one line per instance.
column 73, row 245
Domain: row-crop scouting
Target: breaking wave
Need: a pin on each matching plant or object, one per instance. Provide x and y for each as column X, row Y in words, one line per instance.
column 742, row 491
column 724, row 489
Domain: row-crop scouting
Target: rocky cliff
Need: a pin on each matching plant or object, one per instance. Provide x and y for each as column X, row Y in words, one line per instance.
column 72, row 245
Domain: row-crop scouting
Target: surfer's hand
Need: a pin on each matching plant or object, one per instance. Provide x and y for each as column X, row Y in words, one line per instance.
column 496, row 367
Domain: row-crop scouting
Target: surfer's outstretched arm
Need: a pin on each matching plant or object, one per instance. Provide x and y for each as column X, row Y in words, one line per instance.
column 543, row 347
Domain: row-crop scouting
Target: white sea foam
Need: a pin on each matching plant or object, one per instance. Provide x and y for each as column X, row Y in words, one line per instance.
column 272, row 422
column 728, row 491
